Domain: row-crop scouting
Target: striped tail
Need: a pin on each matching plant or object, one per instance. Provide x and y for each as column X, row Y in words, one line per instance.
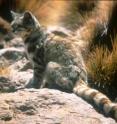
column 96, row 98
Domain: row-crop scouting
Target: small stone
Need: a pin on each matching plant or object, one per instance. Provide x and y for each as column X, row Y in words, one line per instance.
column 6, row 115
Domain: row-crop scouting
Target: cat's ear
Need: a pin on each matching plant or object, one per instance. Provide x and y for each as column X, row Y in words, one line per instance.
column 28, row 15
column 28, row 18
column 14, row 14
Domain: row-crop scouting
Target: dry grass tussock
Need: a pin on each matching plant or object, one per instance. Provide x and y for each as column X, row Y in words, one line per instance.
column 102, row 68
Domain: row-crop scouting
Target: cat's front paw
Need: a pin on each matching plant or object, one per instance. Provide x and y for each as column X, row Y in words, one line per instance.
column 33, row 83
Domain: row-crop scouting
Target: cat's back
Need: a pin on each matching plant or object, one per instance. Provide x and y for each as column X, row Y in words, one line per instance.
column 62, row 47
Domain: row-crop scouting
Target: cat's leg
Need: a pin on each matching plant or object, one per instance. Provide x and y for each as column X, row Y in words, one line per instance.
column 62, row 76
column 50, row 75
column 36, row 81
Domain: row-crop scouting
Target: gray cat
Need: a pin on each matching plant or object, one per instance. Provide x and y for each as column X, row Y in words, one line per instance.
column 57, row 61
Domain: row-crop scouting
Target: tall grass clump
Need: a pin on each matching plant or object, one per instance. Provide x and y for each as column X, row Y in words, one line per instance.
column 102, row 69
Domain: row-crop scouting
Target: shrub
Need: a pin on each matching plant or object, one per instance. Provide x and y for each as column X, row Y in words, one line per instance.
column 102, row 69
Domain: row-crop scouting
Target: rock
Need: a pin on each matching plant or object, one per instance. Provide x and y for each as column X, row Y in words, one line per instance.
column 13, row 61
column 20, row 74
column 1, row 45
column 12, row 53
column 6, row 85
column 16, row 42
column 47, row 106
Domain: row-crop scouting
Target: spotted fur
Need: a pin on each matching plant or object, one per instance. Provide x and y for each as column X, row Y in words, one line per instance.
column 57, row 61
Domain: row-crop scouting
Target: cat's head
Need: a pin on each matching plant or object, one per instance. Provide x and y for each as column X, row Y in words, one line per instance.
column 24, row 22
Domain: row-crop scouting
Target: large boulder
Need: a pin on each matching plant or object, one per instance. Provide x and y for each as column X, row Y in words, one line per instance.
column 47, row 106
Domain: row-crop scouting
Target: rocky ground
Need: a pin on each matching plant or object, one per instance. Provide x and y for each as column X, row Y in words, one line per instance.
column 37, row 106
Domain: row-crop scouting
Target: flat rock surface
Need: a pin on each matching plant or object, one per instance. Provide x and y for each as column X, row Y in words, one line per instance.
column 47, row 106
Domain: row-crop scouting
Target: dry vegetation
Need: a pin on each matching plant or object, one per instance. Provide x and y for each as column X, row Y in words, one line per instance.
column 48, row 12
column 102, row 68
column 57, row 12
